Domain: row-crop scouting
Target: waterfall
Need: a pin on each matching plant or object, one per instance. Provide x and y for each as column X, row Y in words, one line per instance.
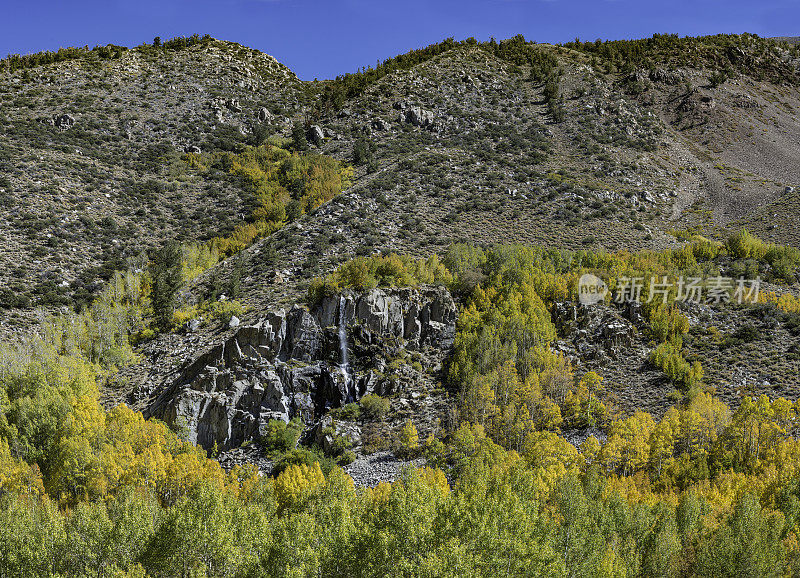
column 343, row 364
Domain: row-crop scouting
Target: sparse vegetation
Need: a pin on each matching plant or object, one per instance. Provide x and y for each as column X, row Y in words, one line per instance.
column 515, row 50
column 365, row 273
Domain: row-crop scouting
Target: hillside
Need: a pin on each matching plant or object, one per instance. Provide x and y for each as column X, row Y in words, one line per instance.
column 462, row 145
column 91, row 152
column 256, row 326
column 108, row 152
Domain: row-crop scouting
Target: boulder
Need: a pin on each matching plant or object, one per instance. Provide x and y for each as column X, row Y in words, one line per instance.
column 327, row 430
column 264, row 115
column 416, row 115
column 419, row 116
column 381, row 125
column 315, row 135
column 64, row 121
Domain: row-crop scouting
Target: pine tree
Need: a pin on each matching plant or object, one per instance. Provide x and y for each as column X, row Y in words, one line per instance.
column 235, row 281
column 299, row 140
column 165, row 273
column 364, row 154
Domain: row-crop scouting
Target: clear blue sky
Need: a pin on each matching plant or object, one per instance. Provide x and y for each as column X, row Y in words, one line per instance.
column 323, row 38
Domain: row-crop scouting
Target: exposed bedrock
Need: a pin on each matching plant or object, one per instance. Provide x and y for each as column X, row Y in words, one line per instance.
column 290, row 363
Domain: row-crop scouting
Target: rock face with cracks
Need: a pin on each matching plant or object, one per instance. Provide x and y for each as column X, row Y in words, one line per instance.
column 289, row 363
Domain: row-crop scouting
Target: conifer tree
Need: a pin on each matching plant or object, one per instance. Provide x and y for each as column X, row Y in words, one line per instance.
column 165, row 273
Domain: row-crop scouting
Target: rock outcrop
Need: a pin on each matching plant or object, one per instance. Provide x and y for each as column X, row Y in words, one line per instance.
column 380, row 125
column 264, row 115
column 417, row 116
column 597, row 332
column 65, row 121
column 61, row 121
column 315, row 135
column 293, row 363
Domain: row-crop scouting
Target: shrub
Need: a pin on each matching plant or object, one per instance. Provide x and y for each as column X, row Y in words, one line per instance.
column 783, row 259
column 363, row 151
column 669, row 358
column 350, row 412
column 743, row 245
column 181, row 316
column 374, row 406
column 717, row 78
column 705, row 249
column 224, row 310
column 347, row 458
column 364, row 273
column 744, row 334
column 303, row 456
column 280, row 436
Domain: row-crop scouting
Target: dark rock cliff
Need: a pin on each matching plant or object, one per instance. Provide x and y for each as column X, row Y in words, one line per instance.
column 300, row 363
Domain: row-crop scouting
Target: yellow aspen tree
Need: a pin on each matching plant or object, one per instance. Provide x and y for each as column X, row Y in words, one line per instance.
column 408, row 439
column 296, row 483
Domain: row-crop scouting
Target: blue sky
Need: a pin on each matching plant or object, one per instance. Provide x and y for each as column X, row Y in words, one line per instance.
column 320, row 39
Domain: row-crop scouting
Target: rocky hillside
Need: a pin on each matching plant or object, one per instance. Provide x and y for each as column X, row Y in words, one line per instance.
column 91, row 148
column 105, row 153
column 467, row 145
column 533, row 280
column 574, row 146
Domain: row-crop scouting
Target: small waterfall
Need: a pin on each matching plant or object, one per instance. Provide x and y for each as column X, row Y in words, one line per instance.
column 343, row 364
